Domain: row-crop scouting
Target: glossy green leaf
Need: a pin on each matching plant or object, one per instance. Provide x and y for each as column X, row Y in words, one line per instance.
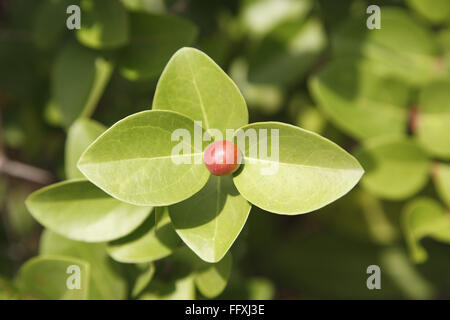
column 212, row 278
column 149, row 242
column 361, row 99
column 210, row 221
column 395, row 168
column 406, row 48
column 133, row 160
column 261, row 16
column 287, row 52
column 441, row 178
column 303, row 173
column 182, row 288
column 79, row 136
column 433, row 123
column 143, row 279
column 434, row 10
column 105, row 281
column 194, row 85
column 78, row 79
column 424, row 217
column 104, row 24
column 80, row 211
column 47, row 277
column 154, row 38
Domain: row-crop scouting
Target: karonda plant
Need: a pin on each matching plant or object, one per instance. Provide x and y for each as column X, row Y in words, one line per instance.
column 128, row 188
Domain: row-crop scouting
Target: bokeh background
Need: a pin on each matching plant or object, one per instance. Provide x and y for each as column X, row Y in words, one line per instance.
column 383, row 95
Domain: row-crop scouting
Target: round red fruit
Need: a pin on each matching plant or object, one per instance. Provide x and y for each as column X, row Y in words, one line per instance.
column 222, row 158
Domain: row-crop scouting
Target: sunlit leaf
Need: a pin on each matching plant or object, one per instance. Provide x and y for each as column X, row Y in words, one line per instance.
column 133, row 160
column 80, row 211
column 210, row 221
column 194, row 85
column 441, row 178
column 212, row 278
column 304, row 171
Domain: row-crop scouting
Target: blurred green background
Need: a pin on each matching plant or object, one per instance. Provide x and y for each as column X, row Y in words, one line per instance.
column 383, row 95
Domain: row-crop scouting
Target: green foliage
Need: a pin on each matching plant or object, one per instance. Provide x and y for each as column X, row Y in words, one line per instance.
column 91, row 116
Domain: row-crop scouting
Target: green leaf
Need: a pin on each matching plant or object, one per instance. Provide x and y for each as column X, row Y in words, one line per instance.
column 261, row 16
column 406, row 48
column 193, row 85
column 133, row 161
column 182, row 288
column 105, row 281
column 104, row 24
column 441, row 178
column 212, row 278
column 154, row 38
column 210, row 221
column 361, row 99
column 421, row 218
column 287, row 52
column 395, row 168
column 310, row 171
column 260, row 289
column 79, row 136
column 46, row 278
column 80, row 211
column 436, row 11
column 78, row 79
column 433, row 124
column 149, row 242
column 143, row 279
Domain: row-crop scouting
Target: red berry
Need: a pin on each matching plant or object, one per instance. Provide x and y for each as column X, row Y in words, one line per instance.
column 222, row 158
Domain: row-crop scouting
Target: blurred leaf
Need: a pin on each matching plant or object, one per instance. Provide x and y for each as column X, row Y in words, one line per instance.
column 287, row 52
column 7, row 290
column 436, row 11
column 78, row 80
column 49, row 23
column 195, row 86
column 46, row 278
column 441, row 178
column 154, row 38
column 212, row 278
column 261, row 16
column 133, row 160
column 309, row 167
column 266, row 98
column 396, row 168
column 149, row 242
column 260, row 289
column 19, row 219
column 104, row 280
column 104, row 24
column 424, row 217
column 361, row 99
column 143, row 279
column 210, row 221
column 79, row 136
column 179, row 289
column 80, row 211
column 403, row 45
column 433, row 124
column 156, row 6
column 409, row 280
